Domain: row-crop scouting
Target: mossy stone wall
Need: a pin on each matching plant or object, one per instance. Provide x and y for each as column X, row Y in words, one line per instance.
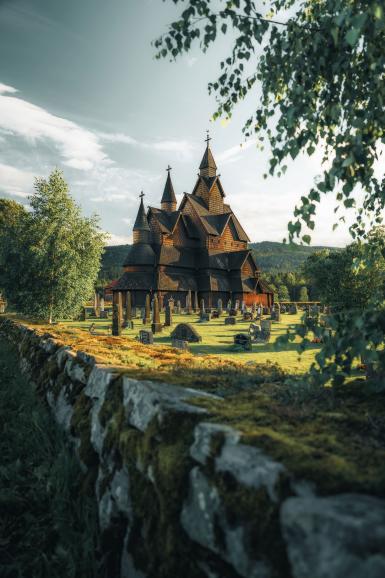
column 179, row 495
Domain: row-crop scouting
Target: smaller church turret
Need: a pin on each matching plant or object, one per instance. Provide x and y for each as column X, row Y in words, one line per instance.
column 141, row 229
column 168, row 202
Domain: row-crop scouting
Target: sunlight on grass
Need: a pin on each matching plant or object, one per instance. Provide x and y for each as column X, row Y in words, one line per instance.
column 217, row 339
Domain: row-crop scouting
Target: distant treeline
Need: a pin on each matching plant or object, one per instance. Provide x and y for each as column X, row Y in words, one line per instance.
column 280, row 264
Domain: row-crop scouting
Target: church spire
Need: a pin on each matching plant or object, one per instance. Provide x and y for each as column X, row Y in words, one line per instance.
column 168, row 202
column 208, row 168
column 141, row 227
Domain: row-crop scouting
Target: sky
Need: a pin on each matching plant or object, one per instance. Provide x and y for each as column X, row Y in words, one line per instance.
column 80, row 90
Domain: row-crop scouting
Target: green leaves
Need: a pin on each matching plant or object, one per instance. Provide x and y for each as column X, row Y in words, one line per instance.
column 58, row 254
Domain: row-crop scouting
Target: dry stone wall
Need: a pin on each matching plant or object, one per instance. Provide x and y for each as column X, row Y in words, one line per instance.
column 180, row 495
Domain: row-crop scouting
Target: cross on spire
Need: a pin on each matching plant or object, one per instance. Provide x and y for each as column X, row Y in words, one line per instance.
column 208, row 139
column 168, row 169
column 141, row 195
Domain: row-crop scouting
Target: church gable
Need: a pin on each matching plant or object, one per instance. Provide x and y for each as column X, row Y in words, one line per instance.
column 249, row 268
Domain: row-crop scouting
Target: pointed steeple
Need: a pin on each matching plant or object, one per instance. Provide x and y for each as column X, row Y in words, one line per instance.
column 141, row 227
column 208, row 168
column 168, row 202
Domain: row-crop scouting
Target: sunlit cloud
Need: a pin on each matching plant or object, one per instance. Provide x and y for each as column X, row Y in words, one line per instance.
column 15, row 182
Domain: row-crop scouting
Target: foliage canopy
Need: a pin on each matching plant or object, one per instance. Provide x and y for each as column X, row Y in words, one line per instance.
column 51, row 255
column 319, row 65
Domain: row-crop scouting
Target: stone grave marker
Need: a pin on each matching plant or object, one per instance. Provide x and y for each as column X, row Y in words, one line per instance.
column 229, row 305
column 233, row 312
column 231, row 320
column 203, row 316
column 189, row 308
column 220, row 307
column 128, row 308
column 180, row 344
column 254, row 309
column 168, row 316
column 196, row 306
column 236, row 306
column 101, row 303
column 254, row 330
column 293, row 309
column 178, row 308
column 265, row 330
column 214, row 314
column 156, row 325
column 276, row 314
column 116, row 319
column 186, row 332
column 146, row 337
column 243, row 340
column 247, row 316
column 243, row 306
column 147, row 310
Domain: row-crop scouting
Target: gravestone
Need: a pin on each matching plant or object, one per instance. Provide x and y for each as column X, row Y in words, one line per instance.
column 101, row 303
column 186, row 332
column 128, row 309
column 233, row 312
column 266, row 310
column 116, row 320
column 146, row 337
column 253, row 309
column 236, row 306
column 214, row 314
column 171, row 304
column 293, row 309
column 156, row 325
column 283, row 308
column 203, row 316
column 128, row 324
column 104, row 314
column 189, row 303
column 243, row 340
column 265, row 330
column 243, row 306
column 229, row 305
column 134, row 313
column 219, row 307
column 168, row 316
column 196, row 306
column 178, row 308
column 254, row 331
column 230, row 320
column 180, row 344
column 276, row 315
column 147, row 310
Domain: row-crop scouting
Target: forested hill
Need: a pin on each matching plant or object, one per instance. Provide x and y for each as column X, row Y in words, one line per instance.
column 270, row 257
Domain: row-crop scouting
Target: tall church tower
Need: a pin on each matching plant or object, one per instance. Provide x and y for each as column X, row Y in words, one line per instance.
column 209, row 187
column 208, row 168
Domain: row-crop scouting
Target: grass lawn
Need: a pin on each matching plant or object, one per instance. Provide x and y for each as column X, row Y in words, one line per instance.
column 218, row 339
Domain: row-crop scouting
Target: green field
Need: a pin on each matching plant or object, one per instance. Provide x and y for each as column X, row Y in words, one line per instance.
column 218, row 339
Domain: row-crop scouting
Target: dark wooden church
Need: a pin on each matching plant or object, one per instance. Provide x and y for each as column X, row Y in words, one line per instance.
column 200, row 247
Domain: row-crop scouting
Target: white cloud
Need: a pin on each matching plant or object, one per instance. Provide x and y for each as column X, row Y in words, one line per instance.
column 234, row 153
column 182, row 148
column 4, row 89
column 15, row 182
column 79, row 147
column 117, row 137
column 119, row 239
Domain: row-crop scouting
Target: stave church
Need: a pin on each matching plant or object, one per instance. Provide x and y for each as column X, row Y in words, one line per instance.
column 199, row 247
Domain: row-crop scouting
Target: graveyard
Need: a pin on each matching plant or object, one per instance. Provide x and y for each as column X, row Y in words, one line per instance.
column 217, row 339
